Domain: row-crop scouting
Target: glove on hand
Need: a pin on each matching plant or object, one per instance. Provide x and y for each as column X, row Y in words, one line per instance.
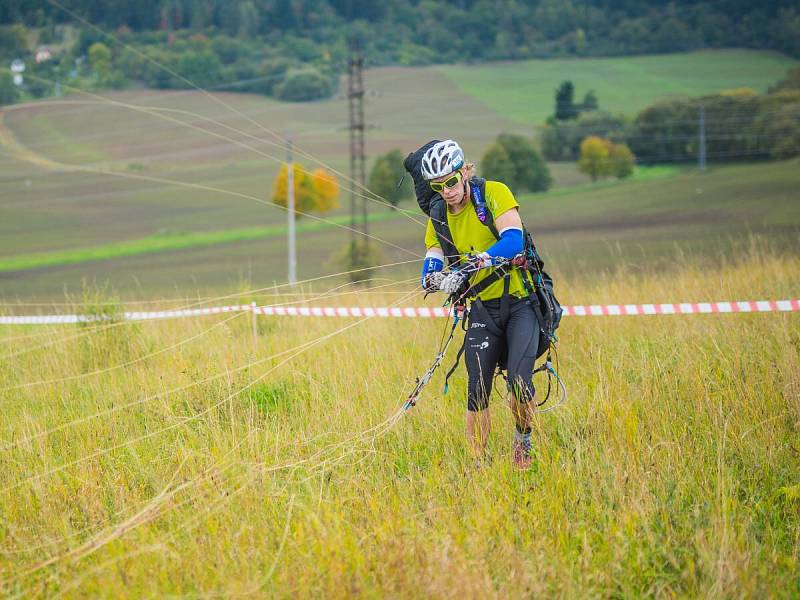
column 451, row 283
column 433, row 281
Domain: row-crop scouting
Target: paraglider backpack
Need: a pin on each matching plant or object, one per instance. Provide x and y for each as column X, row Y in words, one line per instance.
column 546, row 306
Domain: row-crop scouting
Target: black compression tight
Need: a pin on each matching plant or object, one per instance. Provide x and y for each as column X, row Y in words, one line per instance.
column 491, row 342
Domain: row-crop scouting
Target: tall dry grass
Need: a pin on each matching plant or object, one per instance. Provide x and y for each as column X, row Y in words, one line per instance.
column 234, row 466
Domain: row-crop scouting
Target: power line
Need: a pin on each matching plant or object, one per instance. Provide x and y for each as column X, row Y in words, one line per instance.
column 214, row 98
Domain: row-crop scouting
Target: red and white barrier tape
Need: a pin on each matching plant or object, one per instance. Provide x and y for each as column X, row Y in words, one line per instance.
column 592, row 310
column 684, row 308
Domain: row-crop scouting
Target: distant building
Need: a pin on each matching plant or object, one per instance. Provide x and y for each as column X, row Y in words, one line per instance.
column 43, row 54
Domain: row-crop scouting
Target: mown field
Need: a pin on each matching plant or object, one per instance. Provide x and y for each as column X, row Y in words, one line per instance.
column 583, row 229
column 187, row 205
column 189, row 458
column 523, row 90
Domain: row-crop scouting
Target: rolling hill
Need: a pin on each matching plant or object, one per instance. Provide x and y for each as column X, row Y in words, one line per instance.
column 182, row 181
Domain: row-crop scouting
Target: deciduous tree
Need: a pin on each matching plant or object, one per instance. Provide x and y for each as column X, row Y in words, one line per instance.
column 594, row 157
column 304, row 194
column 8, row 91
column 530, row 173
column 386, row 172
column 602, row 158
column 496, row 165
column 303, row 85
column 313, row 192
column 621, row 159
column 100, row 59
column 561, row 140
column 326, row 187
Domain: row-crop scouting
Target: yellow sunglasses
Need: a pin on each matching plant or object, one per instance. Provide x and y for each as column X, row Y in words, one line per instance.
column 438, row 186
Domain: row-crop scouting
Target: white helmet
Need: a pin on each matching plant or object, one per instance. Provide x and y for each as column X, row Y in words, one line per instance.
column 442, row 159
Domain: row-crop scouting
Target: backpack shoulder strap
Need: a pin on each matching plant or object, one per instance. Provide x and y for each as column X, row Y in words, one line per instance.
column 438, row 214
column 478, row 198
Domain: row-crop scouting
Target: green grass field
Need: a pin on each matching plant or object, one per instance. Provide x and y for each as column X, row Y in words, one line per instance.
column 201, row 458
column 640, row 223
column 188, row 458
column 524, row 90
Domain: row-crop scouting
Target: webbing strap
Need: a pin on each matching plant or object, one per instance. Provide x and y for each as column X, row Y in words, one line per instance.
column 478, row 187
column 438, row 214
column 505, row 301
column 459, row 355
column 455, row 364
column 501, row 271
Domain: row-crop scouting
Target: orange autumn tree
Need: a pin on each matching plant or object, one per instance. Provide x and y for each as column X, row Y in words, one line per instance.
column 313, row 192
column 327, row 188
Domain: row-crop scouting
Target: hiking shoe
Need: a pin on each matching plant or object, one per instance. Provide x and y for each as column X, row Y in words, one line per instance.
column 522, row 455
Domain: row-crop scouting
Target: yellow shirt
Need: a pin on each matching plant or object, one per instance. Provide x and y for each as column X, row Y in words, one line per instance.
column 471, row 236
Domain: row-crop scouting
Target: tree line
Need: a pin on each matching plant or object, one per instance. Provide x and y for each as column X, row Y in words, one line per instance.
column 296, row 49
column 735, row 125
column 398, row 31
column 214, row 61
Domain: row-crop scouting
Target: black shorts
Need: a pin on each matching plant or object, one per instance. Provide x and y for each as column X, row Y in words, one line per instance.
column 506, row 338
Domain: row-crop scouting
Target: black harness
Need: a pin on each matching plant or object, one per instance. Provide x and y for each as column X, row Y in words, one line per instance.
column 538, row 284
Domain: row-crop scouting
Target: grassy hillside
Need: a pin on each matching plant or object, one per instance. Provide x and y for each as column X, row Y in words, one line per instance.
column 524, row 91
column 652, row 221
column 642, row 223
column 187, row 457
column 193, row 179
